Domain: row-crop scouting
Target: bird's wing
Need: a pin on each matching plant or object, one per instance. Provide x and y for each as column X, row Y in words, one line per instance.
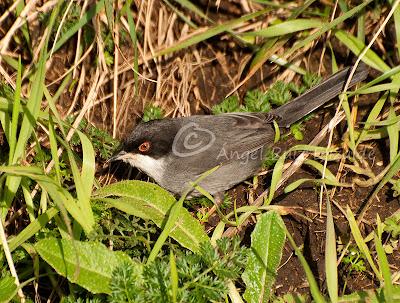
column 221, row 139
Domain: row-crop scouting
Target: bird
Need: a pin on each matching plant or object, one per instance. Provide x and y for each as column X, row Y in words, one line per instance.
column 175, row 152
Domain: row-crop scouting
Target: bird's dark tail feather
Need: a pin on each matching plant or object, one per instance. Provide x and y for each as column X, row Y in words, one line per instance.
column 318, row 95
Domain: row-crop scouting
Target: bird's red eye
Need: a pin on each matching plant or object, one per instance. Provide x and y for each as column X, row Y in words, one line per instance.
column 144, row 147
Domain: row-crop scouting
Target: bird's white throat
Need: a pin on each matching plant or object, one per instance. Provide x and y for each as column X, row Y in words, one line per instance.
column 152, row 167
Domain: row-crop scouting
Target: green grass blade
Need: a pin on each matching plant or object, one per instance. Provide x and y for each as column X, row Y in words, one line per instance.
column 59, row 195
column 218, row 29
column 26, row 191
column 54, row 149
column 89, row 14
column 132, row 33
column 396, row 18
column 314, row 289
column 287, row 27
column 357, row 46
column 327, row 27
column 35, row 226
column 384, row 267
column 190, row 6
column 355, row 231
column 15, row 113
column 173, row 276
column 393, row 133
column 330, row 256
column 108, row 4
column 88, row 167
column 372, row 116
column 295, row 184
column 83, row 197
column 350, row 126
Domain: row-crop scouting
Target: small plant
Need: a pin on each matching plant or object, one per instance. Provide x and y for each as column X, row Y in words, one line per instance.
column 392, row 225
column 310, row 80
column 103, row 143
column 201, row 277
column 297, row 130
column 279, row 93
column 257, row 101
column 270, row 159
column 228, row 105
column 354, row 260
column 152, row 112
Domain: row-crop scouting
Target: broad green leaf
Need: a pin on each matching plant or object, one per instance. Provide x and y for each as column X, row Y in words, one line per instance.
column 8, row 289
column 371, row 295
column 88, row 264
column 149, row 201
column 267, row 241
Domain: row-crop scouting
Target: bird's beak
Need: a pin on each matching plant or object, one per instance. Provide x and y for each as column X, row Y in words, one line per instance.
column 117, row 157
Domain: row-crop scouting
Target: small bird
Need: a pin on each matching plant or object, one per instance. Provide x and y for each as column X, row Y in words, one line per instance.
column 177, row 151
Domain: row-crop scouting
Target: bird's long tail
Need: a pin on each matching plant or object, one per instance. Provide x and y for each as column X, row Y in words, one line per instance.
column 318, row 95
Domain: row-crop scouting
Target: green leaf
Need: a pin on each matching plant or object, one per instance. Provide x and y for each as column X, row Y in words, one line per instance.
column 32, row 228
column 385, row 269
column 216, row 30
column 88, row 264
column 355, row 231
column 330, row 255
column 149, row 201
column 326, row 27
column 357, row 46
column 59, row 195
column 8, row 289
column 287, row 27
column 267, row 241
column 314, row 288
column 87, row 16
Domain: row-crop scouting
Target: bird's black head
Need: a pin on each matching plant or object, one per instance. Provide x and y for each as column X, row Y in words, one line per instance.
column 153, row 138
